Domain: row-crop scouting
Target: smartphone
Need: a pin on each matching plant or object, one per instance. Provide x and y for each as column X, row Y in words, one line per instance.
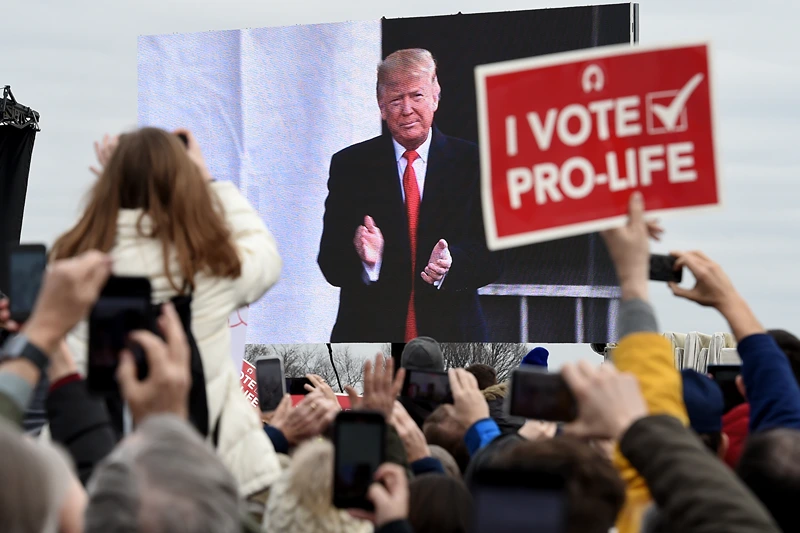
column 271, row 383
column 427, row 386
column 518, row 502
column 359, row 443
column 725, row 376
column 662, row 268
column 539, row 395
column 297, row 386
column 26, row 266
column 123, row 306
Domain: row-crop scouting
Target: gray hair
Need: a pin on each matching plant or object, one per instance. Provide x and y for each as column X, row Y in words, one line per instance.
column 162, row 479
column 35, row 477
column 411, row 62
column 449, row 464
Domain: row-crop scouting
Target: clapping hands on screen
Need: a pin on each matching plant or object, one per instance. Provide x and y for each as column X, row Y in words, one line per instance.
column 438, row 264
column 369, row 242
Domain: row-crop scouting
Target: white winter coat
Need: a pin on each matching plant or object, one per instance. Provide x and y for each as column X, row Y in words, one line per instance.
column 243, row 446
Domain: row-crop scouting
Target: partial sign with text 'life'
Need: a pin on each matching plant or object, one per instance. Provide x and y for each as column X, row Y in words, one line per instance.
column 566, row 138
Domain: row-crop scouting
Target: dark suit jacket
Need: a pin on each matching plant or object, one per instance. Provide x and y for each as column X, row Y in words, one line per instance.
column 364, row 181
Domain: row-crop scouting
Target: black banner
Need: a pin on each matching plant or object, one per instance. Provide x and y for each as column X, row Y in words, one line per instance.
column 16, row 149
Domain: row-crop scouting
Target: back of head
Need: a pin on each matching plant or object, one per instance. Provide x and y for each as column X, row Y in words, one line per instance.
column 705, row 405
column 34, row 483
column 301, row 500
column 442, row 428
column 594, row 491
column 163, row 479
column 439, row 504
column 485, row 374
column 150, row 170
column 770, row 467
column 449, row 463
column 790, row 345
column 423, row 353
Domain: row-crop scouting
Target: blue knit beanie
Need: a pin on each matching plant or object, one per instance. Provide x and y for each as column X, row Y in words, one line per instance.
column 704, row 402
column 536, row 357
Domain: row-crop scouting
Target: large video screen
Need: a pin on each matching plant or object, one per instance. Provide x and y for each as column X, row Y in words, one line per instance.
column 371, row 186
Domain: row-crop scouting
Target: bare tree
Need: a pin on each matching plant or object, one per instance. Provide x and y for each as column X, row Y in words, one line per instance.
column 255, row 351
column 302, row 359
column 502, row 356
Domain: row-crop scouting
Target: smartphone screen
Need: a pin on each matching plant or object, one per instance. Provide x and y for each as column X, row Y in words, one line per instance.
column 662, row 268
column 271, row 383
column 123, row 306
column 504, row 503
column 427, row 386
column 539, row 395
column 297, row 386
column 27, row 264
column 725, row 376
column 359, row 444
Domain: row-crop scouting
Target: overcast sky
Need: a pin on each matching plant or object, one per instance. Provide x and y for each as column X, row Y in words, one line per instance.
column 75, row 63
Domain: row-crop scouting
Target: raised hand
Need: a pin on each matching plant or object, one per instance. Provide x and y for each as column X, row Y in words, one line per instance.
column 380, row 390
column 629, row 249
column 166, row 388
column 468, row 400
column 713, row 287
column 310, row 418
column 438, row 264
column 5, row 317
column 537, row 430
column 194, row 152
column 413, row 439
column 609, row 402
column 389, row 494
column 369, row 242
column 317, row 383
column 103, row 150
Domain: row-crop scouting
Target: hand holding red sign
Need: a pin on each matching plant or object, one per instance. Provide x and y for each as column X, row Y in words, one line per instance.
column 566, row 138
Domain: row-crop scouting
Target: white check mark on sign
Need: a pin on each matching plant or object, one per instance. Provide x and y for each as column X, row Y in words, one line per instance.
column 669, row 114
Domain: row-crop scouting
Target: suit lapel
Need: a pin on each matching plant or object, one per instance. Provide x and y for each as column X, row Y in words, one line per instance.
column 435, row 179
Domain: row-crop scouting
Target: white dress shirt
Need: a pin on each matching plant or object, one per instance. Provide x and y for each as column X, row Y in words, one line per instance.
column 371, row 274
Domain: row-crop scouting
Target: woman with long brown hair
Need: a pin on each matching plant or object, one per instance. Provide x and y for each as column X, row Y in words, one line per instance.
column 158, row 213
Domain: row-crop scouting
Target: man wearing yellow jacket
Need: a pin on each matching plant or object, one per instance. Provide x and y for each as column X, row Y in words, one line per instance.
column 642, row 351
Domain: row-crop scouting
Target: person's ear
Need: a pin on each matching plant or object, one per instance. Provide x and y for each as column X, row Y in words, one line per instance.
column 740, row 386
column 724, row 444
column 383, row 110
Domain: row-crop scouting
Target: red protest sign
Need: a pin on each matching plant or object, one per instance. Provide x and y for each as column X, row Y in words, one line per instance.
column 566, row 138
column 247, row 378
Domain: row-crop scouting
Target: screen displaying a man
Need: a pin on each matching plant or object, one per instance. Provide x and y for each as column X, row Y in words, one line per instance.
column 403, row 233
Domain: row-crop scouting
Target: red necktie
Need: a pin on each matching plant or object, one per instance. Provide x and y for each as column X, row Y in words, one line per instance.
column 412, row 210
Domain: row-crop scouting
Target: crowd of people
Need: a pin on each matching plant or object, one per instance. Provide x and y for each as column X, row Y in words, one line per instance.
column 182, row 450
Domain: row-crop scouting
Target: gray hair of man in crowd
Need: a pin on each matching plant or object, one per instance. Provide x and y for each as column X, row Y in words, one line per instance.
column 35, row 480
column 163, row 478
column 416, row 62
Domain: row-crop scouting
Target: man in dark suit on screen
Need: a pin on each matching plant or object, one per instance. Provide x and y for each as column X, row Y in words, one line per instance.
column 403, row 229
